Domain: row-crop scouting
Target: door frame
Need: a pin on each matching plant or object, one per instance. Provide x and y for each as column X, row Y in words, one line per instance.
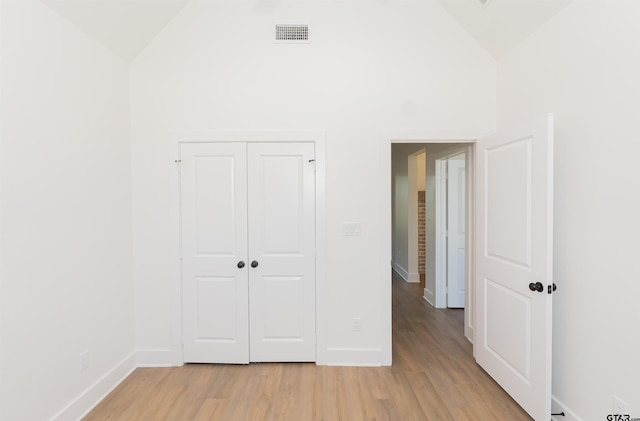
column 257, row 136
column 388, row 138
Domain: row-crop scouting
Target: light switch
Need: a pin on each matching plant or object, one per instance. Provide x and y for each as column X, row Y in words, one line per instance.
column 351, row 229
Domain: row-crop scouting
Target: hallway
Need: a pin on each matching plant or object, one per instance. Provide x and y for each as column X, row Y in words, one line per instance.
column 432, row 354
column 433, row 377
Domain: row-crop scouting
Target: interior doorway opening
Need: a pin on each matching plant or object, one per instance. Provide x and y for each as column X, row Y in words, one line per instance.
column 509, row 248
column 420, row 221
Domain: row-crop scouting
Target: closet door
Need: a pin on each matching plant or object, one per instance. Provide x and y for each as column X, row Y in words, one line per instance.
column 282, row 251
column 214, row 252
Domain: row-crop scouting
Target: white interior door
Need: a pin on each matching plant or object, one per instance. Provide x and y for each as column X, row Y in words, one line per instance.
column 514, row 252
column 282, row 251
column 214, row 241
column 248, row 252
column 456, row 253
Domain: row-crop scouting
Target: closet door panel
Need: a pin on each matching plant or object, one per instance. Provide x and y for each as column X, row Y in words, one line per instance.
column 214, row 241
column 282, row 244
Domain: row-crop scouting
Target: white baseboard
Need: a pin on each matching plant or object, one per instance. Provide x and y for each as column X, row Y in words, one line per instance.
column 87, row 400
column 430, row 297
column 401, row 271
column 95, row 393
column 362, row 357
column 558, row 407
column 413, row 278
column 158, row 358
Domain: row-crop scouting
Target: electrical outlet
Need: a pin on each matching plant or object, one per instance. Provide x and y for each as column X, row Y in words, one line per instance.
column 356, row 324
column 84, row 360
column 619, row 407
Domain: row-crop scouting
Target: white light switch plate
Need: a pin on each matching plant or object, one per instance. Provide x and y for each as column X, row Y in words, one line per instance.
column 351, row 229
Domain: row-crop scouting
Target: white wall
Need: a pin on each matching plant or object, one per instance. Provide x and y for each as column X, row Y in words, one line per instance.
column 371, row 66
column 67, row 272
column 584, row 66
column 421, row 164
column 401, row 227
column 401, row 213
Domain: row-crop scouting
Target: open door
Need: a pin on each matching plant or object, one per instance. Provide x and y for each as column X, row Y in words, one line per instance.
column 514, row 212
column 456, row 237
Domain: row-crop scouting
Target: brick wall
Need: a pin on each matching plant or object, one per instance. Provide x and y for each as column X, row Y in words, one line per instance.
column 421, row 232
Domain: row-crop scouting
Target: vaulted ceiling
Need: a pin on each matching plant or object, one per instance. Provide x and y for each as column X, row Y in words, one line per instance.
column 127, row 26
column 500, row 25
column 123, row 26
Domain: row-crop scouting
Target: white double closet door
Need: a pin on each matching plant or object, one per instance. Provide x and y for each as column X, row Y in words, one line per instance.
column 248, row 252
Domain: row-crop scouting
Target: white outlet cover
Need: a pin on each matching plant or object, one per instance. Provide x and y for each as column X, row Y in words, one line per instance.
column 84, row 360
column 357, row 324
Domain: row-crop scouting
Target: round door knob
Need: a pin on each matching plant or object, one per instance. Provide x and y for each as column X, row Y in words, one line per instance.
column 536, row 287
column 240, row 264
column 254, row 264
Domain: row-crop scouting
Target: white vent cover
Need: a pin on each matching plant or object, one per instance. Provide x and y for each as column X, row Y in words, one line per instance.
column 292, row 34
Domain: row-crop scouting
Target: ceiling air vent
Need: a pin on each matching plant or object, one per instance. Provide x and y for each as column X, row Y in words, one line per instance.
column 297, row 34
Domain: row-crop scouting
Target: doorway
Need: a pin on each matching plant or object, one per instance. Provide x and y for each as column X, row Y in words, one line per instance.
column 514, row 211
column 412, row 162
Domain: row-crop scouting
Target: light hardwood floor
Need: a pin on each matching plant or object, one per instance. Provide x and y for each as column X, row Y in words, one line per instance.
column 433, row 377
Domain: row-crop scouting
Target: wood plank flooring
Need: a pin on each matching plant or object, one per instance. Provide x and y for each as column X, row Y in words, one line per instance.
column 433, row 377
